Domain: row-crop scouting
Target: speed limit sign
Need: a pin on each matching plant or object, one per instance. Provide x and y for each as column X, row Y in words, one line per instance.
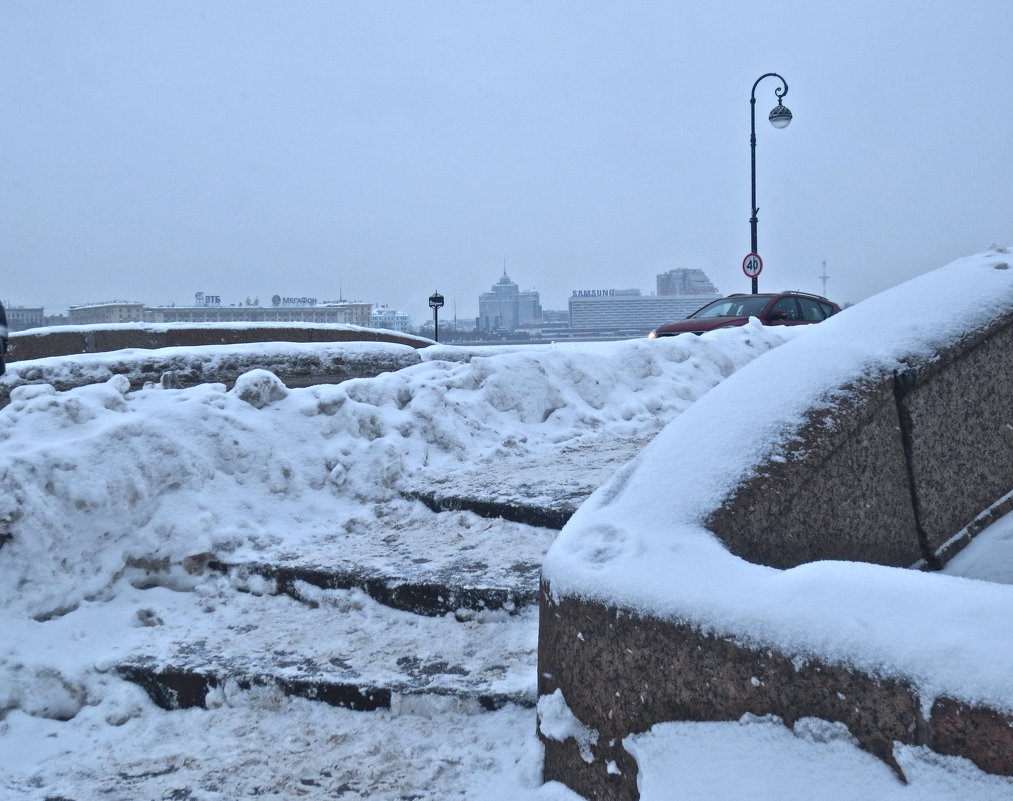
column 752, row 265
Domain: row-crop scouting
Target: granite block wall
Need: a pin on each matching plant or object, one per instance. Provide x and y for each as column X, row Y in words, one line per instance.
column 903, row 472
column 56, row 342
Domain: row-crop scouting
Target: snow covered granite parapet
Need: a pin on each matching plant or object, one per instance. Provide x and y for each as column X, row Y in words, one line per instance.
column 894, row 468
column 659, row 541
column 620, row 673
column 297, row 363
column 66, row 340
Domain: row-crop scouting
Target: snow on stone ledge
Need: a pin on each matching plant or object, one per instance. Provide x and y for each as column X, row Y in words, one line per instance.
column 639, row 542
column 231, row 325
column 211, row 362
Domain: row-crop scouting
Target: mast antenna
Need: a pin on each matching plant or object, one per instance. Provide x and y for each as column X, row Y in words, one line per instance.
column 824, row 277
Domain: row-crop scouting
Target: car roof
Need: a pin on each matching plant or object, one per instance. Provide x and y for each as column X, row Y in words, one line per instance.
column 794, row 292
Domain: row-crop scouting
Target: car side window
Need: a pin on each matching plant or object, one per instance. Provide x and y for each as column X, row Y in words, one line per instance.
column 789, row 307
column 828, row 310
column 811, row 310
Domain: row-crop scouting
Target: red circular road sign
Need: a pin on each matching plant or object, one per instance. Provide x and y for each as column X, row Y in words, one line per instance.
column 752, row 265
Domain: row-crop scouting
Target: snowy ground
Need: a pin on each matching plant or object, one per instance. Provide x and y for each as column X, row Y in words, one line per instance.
column 111, row 495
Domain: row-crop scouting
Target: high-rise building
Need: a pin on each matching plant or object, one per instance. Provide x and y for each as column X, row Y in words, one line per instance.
column 686, row 281
column 507, row 308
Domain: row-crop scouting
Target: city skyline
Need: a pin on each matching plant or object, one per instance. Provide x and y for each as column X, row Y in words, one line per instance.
column 505, row 308
column 241, row 298
column 392, row 148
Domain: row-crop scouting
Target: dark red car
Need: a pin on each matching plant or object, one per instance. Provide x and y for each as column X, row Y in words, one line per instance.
column 776, row 308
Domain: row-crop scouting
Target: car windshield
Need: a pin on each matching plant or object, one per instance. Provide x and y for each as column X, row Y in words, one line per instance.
column 733, row 307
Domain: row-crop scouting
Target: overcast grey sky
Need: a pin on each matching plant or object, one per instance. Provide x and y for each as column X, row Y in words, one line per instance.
column 150, row 150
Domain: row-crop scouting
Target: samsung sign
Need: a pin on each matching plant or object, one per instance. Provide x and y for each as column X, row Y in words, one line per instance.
column 593, row 293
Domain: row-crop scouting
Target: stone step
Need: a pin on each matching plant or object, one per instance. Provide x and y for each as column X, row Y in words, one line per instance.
column 189, row 687
column 421, row 597
column 337, row 646
column 535, row 492
column 394, row 603
column 407, row 558
column 553, row 516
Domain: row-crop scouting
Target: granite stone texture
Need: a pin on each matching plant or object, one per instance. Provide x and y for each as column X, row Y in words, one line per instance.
column 900, row 470
column 94, row 339
column 961, row 416
column 892, row 473
column 983, row 735
column 186, row 368
column 842, row 491
column 135, row 353
column 620, row 673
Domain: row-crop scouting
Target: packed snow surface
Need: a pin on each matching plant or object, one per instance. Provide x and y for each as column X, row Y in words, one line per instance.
column 111, row 497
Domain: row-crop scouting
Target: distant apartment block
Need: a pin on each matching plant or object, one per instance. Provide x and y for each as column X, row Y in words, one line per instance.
column 210, row 309
column 21, row 318
column 336, row 312
column 391, row 320
column 112, row 311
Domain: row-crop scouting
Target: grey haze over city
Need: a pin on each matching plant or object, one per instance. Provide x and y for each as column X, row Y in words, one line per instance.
column 379, row 151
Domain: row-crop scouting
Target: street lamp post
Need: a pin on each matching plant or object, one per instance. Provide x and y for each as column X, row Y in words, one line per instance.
column 779, row 118
column 436, row 303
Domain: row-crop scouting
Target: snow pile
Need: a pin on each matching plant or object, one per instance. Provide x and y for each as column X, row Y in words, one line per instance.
column 639, row 542
column 99, row 477
column 104, row 485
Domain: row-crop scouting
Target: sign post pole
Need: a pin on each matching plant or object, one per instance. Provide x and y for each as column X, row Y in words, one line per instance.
column 436, row 303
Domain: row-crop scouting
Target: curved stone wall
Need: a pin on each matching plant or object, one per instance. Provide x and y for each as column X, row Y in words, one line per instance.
column 901, row 467
column 898, row 475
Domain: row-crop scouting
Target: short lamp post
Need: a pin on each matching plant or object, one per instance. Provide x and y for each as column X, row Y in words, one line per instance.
column 436, row 303
column 779, row 118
